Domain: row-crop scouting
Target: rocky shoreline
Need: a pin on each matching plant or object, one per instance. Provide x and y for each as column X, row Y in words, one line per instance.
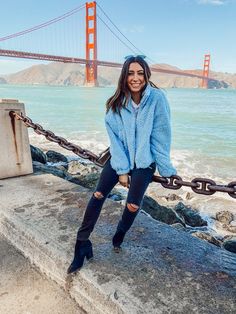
column 176, row 213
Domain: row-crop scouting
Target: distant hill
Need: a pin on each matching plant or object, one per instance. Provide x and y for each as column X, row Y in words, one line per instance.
column 2, row 81
column 57, row 73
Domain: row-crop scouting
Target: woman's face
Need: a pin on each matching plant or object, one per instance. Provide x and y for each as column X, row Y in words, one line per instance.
column 135, row 80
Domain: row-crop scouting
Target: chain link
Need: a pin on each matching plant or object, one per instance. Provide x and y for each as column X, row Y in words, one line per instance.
column 198, row 185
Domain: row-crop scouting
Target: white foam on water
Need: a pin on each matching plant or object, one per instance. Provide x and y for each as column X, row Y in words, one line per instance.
column 95, row 142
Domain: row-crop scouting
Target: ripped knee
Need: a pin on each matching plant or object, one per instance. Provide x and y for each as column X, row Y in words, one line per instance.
column 98, row 195
column 132, row 207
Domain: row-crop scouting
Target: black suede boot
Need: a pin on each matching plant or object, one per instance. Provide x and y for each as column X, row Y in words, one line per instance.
column 82, row 249
column 118, row 239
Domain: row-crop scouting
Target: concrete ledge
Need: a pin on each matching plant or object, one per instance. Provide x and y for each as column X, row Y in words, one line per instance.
column 160, row 270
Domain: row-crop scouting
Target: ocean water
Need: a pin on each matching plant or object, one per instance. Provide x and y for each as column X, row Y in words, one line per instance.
column 203, row 123
column 203, row 134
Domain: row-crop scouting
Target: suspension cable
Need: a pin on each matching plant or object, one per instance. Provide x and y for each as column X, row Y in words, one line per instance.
column 119, row 29
column 115, row 33
column 45, row 24
column 123, row 35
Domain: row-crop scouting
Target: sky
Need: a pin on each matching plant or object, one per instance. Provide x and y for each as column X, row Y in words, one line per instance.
column 176, row 32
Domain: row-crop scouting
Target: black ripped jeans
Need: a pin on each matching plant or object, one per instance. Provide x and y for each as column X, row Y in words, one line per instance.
column 140, row 179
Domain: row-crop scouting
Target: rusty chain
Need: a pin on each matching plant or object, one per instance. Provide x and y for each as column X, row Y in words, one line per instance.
column 198, row 185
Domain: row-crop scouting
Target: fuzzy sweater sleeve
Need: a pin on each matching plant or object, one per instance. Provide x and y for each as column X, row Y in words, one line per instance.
column 161, row 138
column 119, row 159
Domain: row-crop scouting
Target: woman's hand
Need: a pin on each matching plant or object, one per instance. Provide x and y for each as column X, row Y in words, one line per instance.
column 124, row 180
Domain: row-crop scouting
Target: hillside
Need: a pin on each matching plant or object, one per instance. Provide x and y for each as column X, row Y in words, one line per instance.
column 2, row 80
column 56, row 73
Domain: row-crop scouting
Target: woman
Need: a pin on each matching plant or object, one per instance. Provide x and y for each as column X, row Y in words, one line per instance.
column 138, row 124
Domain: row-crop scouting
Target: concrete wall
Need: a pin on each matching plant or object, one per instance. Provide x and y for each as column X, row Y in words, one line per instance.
column 15, row 156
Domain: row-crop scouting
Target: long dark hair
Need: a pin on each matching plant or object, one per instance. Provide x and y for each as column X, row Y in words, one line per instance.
column 119, row 99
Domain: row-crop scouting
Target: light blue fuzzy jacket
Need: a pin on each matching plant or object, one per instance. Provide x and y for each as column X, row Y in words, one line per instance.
column 142, row 139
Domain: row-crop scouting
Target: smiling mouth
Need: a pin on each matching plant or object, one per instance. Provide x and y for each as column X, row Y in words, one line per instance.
column 135, row 85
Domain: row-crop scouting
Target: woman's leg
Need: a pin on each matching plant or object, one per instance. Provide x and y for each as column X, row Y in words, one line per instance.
column 140, row 179
column 108, row 179
column 83, row 246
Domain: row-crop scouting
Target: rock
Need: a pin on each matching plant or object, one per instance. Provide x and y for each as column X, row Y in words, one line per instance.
column 219, row 225
column 189, row 196
column 225, row 217
column 39, row 167
column 191, row 217
column 178, row 226
column 217, row 84
column 87, row 177
column 161, row 213
column 88, row 173
column 55, row 157
column 230, row 244
column 78, row 167
column 231, row 228
column 173, row 197
column 61, row 167
column 38, row 155
column 89, row 181
column 207, row 237
column 193, row 229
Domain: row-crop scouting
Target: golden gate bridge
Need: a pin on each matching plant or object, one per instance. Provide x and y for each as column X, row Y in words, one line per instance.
column 90, row 59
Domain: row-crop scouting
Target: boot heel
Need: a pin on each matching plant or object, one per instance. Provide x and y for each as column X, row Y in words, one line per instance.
column 76, row 265
column 89, row 255
column 118, row 238
column 82, row 249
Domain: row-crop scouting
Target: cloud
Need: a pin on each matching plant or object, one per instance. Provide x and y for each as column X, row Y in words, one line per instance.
column 212, row 2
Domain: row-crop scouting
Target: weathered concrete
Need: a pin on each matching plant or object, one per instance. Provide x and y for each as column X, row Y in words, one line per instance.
column 24, row 290
column 15, row 157
column 160, row 270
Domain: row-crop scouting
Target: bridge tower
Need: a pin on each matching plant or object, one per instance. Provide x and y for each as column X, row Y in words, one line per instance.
column 206, row 69
column 91, row 45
